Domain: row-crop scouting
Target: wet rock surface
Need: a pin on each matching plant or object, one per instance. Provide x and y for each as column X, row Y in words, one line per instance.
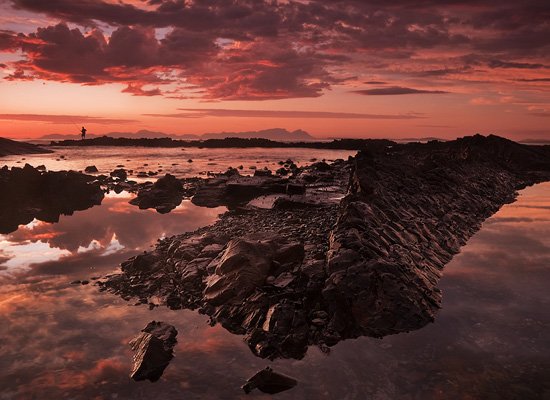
column 153, row 351
column 232, row 189
column 409, row 210
column 29, row 193
column 316, row 269
column 164, row 195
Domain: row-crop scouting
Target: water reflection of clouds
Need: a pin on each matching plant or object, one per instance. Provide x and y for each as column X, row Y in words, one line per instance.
column 99, row 225
column 20, row 256
column 490, row 339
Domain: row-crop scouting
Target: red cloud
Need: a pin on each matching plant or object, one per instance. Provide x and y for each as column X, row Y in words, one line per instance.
column 64, row 119
column 256, row 50
column 396, row 90
column 224, row 112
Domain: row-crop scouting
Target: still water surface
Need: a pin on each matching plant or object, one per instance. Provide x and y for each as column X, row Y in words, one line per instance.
column 172, row 160
column 491, row 339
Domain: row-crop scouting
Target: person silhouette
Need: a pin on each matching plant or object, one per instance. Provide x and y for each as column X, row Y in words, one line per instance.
column 83, row 133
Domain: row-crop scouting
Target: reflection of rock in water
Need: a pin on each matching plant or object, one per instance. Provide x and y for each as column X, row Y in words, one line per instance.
column 269, row 381
column 164, row 195
column 29, row 193
column 290, row 277
column 153, row 351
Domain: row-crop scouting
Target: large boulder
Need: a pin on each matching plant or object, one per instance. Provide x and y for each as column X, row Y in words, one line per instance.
column 243, row 266
column 119, row 173
column 153, row 351
column 164, row 195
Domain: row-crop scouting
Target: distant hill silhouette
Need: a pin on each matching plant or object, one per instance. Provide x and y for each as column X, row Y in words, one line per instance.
column 277, row 134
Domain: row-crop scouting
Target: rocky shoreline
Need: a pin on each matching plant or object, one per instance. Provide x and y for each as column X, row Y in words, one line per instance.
column 13, row 147
column 314, row 272
column 304, row 256
column 230, row 142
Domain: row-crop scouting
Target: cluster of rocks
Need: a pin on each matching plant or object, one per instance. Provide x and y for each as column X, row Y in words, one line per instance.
column 318, row 272
column 164, row 195
column 29, row 193
column 266, row 254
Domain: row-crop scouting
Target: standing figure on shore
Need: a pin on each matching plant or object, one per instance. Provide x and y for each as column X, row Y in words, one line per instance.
column 83, row 133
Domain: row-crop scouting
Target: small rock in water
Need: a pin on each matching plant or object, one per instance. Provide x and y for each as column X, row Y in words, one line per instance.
column 90, row 168
column 153, row 350
column 269, row 381
column 120, row 174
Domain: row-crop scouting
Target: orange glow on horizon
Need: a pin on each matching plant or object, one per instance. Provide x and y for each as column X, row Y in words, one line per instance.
column 451, row 76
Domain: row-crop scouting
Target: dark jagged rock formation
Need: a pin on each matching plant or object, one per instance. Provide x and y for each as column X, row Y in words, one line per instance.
column 340, row 144
column 231, row 189
column 269, row 381
column 366, row 266
column 409, row 211
column 28, row 193
column 164, row 195
column 282, row 270
column 153, row 350
column 11, row 147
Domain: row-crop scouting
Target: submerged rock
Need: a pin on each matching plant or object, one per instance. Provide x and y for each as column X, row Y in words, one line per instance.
column 269, row 381
column 153, row 351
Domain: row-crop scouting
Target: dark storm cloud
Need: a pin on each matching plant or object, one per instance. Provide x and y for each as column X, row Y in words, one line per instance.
column 259, row 50
column 63, row 119
column 396, row 90
column 223, row 112
column 533, row 80
column 505, row 64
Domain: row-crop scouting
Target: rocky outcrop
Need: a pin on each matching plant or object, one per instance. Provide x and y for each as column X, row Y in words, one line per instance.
column 367, row 264
column 12, row 147
column 343, row 144
column 232, row 189
column 153, row 351
column 28, row 193
column 164, row 195
column 409, row 210
column 119, row 173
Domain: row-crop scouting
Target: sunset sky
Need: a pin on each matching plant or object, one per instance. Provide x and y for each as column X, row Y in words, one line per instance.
column 348, row 68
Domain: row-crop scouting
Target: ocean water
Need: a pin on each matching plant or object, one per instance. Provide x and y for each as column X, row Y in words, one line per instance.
column 59, row 340
column 175, row 161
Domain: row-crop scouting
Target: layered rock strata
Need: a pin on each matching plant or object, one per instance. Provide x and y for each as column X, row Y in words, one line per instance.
column 312, row 271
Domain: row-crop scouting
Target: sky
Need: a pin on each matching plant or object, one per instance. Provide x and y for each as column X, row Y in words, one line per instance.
column 335, row 68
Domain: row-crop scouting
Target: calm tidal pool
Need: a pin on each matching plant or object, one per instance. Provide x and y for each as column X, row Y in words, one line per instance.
column 490, row 340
